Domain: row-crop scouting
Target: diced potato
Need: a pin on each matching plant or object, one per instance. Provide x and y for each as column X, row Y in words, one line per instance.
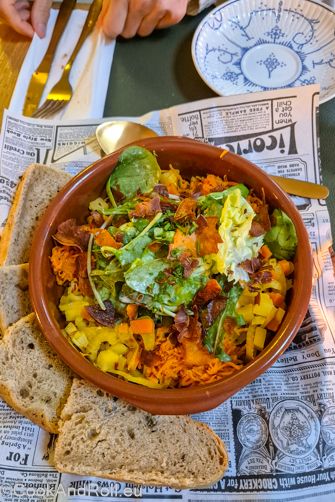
column 259, row 340
column 265, row 305
column 80, row 340
column 80, row 323
column 107, row 359
column 70, row 328
column 258, row 320
column 122, row 362
column 247, row 312
column 249, row 346
column 96, row 341
column 120, row 348
column 149, row 340
column 73, row 309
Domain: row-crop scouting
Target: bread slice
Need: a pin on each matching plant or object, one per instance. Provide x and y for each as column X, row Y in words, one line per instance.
column 14, row 295
column 103, row 436
column 33, row 380
column 37, row 188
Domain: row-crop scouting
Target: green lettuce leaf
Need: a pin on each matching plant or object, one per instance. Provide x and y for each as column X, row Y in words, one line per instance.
column 282, row 237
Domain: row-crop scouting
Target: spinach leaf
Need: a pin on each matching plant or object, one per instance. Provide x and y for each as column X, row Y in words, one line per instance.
column 142, row 274
column 181, row 290
column 137, row 171
column 132, row 250
column 215, row 334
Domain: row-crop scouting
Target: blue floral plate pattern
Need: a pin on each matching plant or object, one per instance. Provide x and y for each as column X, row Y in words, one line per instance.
column 256, row 45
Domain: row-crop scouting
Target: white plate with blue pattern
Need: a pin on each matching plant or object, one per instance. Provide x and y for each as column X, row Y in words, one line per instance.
column 256, row 45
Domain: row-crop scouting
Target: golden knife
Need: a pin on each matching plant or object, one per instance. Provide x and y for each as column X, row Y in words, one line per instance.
column 302, row 188
column 40, row 76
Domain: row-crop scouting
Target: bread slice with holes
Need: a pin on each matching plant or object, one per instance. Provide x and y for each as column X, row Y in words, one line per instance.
column 33, row 380
column 103, row 436
column 14, row 295
column 38, row 187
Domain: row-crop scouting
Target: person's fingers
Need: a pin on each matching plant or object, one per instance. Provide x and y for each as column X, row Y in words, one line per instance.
column 40, row 13
column 137, row 11
column 113, row 17
column 150, row 22
column 13, row 17
column 23, row 8
column 174, row 15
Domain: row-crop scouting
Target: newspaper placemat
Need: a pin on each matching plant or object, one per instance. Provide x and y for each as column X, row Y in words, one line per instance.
column 280, row 429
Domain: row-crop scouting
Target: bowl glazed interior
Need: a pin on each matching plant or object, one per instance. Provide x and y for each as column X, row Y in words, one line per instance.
column 191, row 158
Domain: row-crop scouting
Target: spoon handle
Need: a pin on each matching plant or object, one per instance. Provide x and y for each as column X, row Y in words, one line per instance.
column 302, row 188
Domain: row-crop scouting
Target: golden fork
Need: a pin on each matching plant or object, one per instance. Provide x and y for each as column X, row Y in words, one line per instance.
column 62, row 91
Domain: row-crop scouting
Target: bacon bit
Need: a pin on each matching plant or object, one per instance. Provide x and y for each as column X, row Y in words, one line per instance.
column 256, row 229
column 103, row 238
column 167, row 205
column 251, row 266
column 96, row 219
column 208, row 236
column 229, row 324
column 255, row 202
column 161, row 190
column 71, row 234
column 211, row 290
column 186, row 209
column 187, row 326
column 262, row 276
column 261, row 223
column 154, row 246
column 64, row 263
column 147, row 209
column 184, row 242
column 188, row 263
column 84, row 285
column 181, row 322
column 103, row 317
column 213, row 309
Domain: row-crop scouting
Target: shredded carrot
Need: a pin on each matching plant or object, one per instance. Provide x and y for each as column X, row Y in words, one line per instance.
column 187, row 364
column 64, row 263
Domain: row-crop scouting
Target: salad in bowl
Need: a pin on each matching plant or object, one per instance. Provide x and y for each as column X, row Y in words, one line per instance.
column 173, row 281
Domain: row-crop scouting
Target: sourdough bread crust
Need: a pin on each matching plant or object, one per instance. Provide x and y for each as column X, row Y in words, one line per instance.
column 33, row 380
column 103, row 436
column 38, row 187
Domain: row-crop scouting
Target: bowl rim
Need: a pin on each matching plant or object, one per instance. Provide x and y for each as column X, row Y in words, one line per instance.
column 181, row 400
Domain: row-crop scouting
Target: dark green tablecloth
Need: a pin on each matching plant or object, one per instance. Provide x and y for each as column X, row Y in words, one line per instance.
column 157, row 72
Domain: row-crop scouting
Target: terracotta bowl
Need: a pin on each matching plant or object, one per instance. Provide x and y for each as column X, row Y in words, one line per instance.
column 191, row 158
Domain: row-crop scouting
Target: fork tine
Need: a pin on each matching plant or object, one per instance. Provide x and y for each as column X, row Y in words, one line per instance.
column 49, row 108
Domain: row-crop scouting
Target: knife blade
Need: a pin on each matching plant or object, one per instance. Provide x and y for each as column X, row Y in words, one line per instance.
column 40, row 76
column 302, row 188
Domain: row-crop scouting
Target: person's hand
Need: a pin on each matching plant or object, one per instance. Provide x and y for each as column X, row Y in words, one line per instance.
column 140, row 17
column 26, row 18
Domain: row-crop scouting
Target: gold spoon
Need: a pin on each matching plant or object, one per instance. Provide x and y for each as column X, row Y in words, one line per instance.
column 118, row 133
